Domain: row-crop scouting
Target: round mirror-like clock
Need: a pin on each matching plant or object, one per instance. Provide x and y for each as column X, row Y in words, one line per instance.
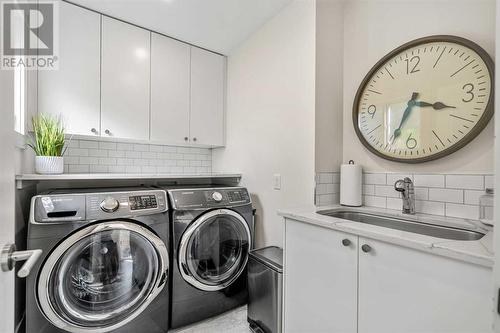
column 425, row 100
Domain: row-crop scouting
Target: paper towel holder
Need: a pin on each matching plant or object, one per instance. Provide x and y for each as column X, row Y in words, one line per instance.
column 351, row 184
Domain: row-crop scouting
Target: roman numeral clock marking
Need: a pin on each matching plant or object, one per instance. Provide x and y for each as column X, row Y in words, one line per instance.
column 425, row 99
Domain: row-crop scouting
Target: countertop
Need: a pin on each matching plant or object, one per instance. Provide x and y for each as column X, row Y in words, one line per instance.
column 478, row 252
column 27, row 179
column 103, row 176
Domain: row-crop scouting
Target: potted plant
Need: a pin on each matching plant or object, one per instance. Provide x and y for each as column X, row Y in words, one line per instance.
column 48, row 144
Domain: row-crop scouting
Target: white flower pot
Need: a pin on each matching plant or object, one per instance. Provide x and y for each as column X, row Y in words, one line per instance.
column 49, row 165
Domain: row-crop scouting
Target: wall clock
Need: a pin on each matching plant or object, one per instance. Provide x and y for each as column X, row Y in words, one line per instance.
column 426, row 99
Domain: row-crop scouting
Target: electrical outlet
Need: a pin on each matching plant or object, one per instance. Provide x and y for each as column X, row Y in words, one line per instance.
column 277, row 181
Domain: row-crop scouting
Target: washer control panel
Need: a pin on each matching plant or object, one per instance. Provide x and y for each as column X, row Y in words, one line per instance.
column 139, row 202
column 73, row 207
column 237, row 196
column 217, row 196
column 110, row 205
column 209, row 198
column 123, row 204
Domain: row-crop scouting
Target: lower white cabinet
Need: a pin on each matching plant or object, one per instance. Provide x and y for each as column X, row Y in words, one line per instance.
column 320, row 280
column 409, row 291
column 371, row 286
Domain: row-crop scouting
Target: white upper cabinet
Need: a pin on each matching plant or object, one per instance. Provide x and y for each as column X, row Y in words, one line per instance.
column 208, row 76
column 125, row 80
column 170, row 79
column 116, row 80
column 73, row 91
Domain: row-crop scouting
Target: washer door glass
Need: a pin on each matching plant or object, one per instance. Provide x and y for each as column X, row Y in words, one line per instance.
column 103, row 278
column 217, row 249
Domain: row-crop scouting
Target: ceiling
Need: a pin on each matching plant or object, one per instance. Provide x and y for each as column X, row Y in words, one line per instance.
column 217, row 25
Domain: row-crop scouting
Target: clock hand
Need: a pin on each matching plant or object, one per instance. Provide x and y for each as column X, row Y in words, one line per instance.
column 406, row 114
column 435, row 106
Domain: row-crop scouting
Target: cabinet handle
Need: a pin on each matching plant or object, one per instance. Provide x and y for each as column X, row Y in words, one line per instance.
column 108, row 132
column 346, row 242
column 93, row 130
column 366, row 248
column 194, row 139
column 186, row 138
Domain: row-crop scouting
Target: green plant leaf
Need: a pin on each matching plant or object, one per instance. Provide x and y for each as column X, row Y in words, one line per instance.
column 48, row 135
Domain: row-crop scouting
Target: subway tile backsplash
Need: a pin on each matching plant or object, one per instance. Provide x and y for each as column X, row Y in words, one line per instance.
column 327, row 188
column 86, row 156
column 454, row 195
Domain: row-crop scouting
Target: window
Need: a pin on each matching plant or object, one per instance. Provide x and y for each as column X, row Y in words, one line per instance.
column 19, row 99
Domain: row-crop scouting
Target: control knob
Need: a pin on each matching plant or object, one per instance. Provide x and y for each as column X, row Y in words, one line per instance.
column 217, row 196
column 110, row 205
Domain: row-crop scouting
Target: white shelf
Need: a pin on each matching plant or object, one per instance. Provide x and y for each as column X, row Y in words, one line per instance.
column 20, row 179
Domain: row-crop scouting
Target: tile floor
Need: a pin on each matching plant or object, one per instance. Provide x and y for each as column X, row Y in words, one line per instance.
column 230, row 322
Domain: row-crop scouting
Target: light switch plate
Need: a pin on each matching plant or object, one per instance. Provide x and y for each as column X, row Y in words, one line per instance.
column 277, row 181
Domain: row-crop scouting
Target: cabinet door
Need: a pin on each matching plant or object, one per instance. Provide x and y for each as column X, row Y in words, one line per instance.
column 208, row 72
column 403, row 290
column 125, row 80
column 170, row 77
column 320, row 283
column 73, row 91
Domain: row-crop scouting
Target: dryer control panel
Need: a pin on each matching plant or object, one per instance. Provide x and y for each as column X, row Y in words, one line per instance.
column 209, row 198
column 72, row 207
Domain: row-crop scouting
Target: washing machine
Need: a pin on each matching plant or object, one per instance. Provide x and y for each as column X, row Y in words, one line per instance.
column 212, row 234
column 105, row 262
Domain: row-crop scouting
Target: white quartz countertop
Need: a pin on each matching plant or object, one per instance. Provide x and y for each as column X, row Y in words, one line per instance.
column 477, row 252
column 104, row 176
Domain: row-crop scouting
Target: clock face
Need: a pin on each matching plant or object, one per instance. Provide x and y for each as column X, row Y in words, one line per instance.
column 426, row 99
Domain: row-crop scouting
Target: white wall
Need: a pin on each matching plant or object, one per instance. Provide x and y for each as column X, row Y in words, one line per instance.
column 373, row 28
column 496, row 231
column 270, row 116
column 329, row 68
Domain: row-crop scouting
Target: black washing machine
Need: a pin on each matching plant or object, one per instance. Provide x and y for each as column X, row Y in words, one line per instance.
column 212, row 235
column 105, row 262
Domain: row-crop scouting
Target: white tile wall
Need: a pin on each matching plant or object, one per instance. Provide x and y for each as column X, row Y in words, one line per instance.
column 439, row 194
column 327, row 188
column 85, row 156
column 471, row 182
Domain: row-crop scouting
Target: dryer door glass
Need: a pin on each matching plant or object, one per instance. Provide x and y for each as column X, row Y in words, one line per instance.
column 216, row 250
column 103, row 278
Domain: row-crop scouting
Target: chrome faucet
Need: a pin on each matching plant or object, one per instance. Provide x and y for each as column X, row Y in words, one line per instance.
column 405, row 186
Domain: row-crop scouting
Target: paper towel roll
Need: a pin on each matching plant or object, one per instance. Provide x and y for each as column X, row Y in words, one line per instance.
column 351, row 184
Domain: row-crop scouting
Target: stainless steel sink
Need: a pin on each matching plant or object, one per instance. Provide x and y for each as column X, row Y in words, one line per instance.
column 407, row 225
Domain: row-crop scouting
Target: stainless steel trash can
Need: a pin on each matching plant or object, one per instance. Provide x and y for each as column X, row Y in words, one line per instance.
column 265, row 283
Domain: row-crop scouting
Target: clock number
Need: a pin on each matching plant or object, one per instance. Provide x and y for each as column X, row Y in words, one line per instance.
column 371, row 110
column 413, row 61
column 469, row 90
column 411, row 143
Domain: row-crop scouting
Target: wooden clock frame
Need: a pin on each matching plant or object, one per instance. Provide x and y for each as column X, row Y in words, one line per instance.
column 480, row 125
